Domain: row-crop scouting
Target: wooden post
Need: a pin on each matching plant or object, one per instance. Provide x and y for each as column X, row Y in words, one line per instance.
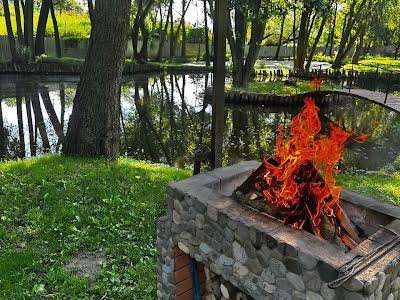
column 218, row 100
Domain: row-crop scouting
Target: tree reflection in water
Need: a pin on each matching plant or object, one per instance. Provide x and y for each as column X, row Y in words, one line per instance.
column 164, row 119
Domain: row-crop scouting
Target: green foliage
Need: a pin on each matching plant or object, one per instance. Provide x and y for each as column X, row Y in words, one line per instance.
column 380, row 187
column 280, row 88
column 54, row 207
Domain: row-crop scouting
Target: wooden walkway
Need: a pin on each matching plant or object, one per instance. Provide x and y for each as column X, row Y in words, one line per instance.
column 392, row 102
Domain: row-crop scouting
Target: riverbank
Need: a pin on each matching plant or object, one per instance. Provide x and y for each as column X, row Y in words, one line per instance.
column 72, row 66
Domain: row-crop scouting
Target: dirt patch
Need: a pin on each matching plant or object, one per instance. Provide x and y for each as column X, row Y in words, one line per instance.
column 86, row 264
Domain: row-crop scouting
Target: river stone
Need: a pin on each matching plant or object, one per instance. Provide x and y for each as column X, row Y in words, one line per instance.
column 382, row 279
column 226, row 261
column 176, row 217
column 228, row 235
column 250, row 250
column 296, row 281
column 327, row 272
column 353, row 285
column 396, row 284
column 281, row 295
column 239, row 253
column 313, row 296
column 242, row 233
column 185, row 235
column 353, row 296
column 178, row 206
column 240, row 269
column 284, row 284
column 312, row 281
column 293, row 265
column 390, row 297
column 299, row 295
column 267, row 287
column 371, row 286
column 378, row 295
column 224, row 291
column 205, row 248
column 307, row 261
column 199, row 221
column 212, row 213
column 277, row 267
column 183, row 247
column 268, row 276
column 326, row 292
column 167, row 269
column 254, row 266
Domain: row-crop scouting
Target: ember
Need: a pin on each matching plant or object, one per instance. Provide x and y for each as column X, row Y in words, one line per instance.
column 299, row 180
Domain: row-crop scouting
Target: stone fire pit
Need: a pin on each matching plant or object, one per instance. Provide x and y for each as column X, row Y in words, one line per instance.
column 244, row 254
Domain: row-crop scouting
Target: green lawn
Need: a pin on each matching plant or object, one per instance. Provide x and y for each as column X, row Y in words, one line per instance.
column 380, row 187
column 279, row 87
column 54, row 207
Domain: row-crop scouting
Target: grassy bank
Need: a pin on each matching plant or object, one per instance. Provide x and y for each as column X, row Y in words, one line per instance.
column 380, row 187
column 280, row 88
column 54, row 207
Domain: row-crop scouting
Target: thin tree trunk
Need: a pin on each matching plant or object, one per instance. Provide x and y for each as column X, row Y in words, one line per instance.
column 316, row 41
column 44, row 93
column 294, row 36
column 41, row 27
column 56, row 32
column 20, row 34
column 32, row 143
column 163, row 37
column 360, row 45
column 20, row 128
column 28, row 25
column 10, row 33
column 206, row 40
column 303, row 39
column 183, row 52
column 94, row 126
column 332, row 37
column 280, row 37
column 396, row 52
column 39, row 122
column 91, row 11
column 171, row 34
column 62, row 102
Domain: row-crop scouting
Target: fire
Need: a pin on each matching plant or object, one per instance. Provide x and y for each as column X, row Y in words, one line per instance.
column 301, row 180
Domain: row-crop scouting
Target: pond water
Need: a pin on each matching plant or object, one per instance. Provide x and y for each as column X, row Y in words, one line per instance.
column 164, row 119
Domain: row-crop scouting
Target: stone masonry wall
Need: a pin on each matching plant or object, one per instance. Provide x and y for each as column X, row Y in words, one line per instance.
column 259, row 256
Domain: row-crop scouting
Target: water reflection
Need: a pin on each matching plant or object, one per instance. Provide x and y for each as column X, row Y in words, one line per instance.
column 164, row 119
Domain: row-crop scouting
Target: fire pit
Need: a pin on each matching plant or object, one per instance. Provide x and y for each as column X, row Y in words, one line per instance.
column 280, row 229
column 247, row 252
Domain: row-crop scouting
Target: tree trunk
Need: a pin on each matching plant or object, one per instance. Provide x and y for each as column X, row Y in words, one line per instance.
column 332, row 37
column 91, row 11
column 183, row 52
column 28, row 25
column 94, row 125
column 396, row 52
column 303, row 40
column 135, row 29
column 206, row 40
column 294, row 36
column 39, row 122
column 144, row 52
column 171, row 34
column 10, row 33
column 163, row 37
column 32, row 143
column 346, row 41
column 21, row 153
column 56, row 32
column 41, row 27
column 316, row 41
column 360, row 45
column 280, row 37
column 20, row 34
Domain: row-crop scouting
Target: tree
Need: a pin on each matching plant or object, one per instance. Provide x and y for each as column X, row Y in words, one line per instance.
column 139, row 24
column 56, row 32
column 256, row 12
column 28, row 25
column 94, row 125
column 20, row 34
column 351, row 29
column 10, row 33
column 206, row 37
column 41, row 27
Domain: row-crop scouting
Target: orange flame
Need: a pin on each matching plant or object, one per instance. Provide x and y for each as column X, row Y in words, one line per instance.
column 302, row 180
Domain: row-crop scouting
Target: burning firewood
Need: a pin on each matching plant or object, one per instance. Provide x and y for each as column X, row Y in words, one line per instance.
column 297, row 186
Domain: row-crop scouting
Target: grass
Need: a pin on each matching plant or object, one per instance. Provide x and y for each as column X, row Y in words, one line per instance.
column 71, row 25
column 279, row 87
column 53, row 207
column 380, row 187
